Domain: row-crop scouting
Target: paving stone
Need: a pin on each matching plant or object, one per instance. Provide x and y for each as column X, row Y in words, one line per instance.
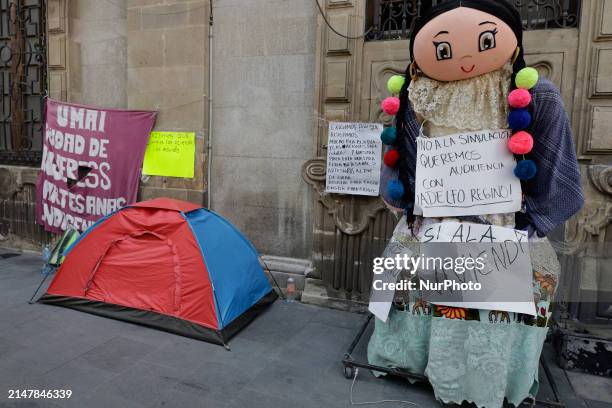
column 591, row 387
column 597, row 404
column 101, row 399
column 183, row 399
column 77, row 376
column 7, row 347
column 256, row 399
column 182, row 353
column 216, row 380
column 249, row 356
column 30, row 404
column 324, row 338
column 117, row 354
column 143, row 383
column 18, row 373
column 290, row 356
column 286, row 320
column 283, row 379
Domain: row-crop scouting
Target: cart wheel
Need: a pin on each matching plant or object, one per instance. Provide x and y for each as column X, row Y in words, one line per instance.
column 349, row 372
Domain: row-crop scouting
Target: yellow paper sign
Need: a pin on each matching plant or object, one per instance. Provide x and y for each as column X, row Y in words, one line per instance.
column 170, row 154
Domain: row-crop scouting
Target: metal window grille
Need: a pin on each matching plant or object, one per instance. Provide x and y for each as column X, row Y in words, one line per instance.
column 393, row 19
column 23, row 80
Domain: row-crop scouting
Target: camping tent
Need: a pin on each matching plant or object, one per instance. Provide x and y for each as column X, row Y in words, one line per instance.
column 167, row 264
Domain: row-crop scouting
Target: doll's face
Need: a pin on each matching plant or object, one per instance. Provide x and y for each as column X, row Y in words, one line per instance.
column 463, row 43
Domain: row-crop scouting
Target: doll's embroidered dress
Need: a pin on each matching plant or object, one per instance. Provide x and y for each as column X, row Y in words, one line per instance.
column 482, row 356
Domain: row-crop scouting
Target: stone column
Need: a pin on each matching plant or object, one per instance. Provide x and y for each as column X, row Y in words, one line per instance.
column 97, row 49
column 167, row 71
column 264, row 68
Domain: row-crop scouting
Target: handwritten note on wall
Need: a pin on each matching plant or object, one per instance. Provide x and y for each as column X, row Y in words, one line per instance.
column 353, row 158
column 170, row 154
column 466, row 174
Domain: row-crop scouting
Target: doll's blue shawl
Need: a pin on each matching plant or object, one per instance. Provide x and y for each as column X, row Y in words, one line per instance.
column 554, row 195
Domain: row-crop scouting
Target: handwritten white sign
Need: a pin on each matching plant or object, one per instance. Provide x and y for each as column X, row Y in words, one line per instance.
column 353, row 158
column 505, row 277
column 466, row 174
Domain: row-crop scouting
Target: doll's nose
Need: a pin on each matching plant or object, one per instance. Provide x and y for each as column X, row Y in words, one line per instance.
column 466, row 57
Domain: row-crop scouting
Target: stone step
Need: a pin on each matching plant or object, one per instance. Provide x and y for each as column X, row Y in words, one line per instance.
column 316, row 293
column 283, row 268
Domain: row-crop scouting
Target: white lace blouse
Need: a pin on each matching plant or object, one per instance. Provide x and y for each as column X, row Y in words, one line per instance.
column 472, row 104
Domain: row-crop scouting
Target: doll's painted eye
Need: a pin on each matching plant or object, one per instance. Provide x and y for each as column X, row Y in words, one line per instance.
column 444, row 50
column 487, row 40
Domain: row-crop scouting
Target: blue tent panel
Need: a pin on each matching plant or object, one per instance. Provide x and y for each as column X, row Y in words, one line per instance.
column 233, row 266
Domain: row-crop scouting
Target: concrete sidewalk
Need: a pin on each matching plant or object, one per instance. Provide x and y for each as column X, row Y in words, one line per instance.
column 288, row 357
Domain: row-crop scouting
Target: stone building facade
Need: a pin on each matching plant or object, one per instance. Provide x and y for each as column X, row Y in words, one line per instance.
column 154, row 55
column 279, row 75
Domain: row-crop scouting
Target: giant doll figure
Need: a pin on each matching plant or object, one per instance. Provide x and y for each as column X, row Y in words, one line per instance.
column 467, row 73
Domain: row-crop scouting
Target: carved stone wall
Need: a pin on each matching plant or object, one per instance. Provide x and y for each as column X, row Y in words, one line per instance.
column 351, row 79
column 593, row 94
column 167, row 70
column 57, row 52
column 349, row 231
column 18, row 226
column 587, row 279
column 140, row 54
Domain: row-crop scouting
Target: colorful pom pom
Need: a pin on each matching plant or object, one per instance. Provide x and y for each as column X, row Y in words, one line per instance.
column 527, row 78
column 395, row 84
column 525, row 170
column 389, row 136
column 519, row 119
column 390, row 105
column 391, row 158
column 520, row 143
column 395, row 190
column 519, row 98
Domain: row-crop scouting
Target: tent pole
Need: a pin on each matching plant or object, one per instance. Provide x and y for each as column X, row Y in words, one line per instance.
column 31, row 301
column 281, row 294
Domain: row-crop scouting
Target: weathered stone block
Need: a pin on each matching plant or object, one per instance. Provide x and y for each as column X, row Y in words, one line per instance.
column 262, row 182
column 139, row 3
column 74, row 67
column 104, row 85
column 56, row 16
column 182, row 111
column 106, row 52
column 179, row 78
column 145, row 79
column 165, row 16
column 134, row 19
column 145, row 48
column 149, row 193
column 277, row 81
column 185, row 46
column 57, row 51
column 96, row 10
column 198, row 13
column 145, row 100
column 280, row 133
column 57, row 85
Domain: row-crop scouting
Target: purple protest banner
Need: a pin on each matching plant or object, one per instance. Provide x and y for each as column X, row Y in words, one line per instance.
column 91, row 163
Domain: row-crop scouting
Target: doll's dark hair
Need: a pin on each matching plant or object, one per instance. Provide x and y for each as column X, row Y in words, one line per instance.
column 501, row 9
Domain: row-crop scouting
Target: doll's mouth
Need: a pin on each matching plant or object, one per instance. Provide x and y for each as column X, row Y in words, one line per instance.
column 467, row 71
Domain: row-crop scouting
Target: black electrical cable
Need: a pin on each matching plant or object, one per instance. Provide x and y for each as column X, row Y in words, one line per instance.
column 336, row 31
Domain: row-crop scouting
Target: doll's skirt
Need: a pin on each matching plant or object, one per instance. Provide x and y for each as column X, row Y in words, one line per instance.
column 479, row 356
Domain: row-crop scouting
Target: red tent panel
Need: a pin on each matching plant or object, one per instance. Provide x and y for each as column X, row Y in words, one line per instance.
column 145, row 259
